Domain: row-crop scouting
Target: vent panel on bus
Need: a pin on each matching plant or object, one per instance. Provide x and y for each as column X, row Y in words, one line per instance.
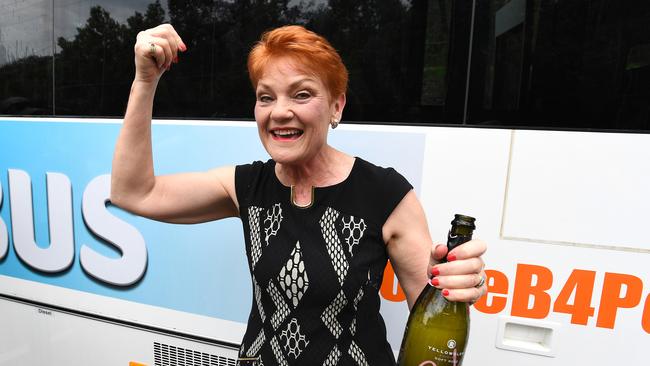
column 167, row 355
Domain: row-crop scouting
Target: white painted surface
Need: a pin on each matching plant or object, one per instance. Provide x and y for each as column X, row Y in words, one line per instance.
column 465, row 172
column 133, row 312
column 579, row 187
column 42, row 336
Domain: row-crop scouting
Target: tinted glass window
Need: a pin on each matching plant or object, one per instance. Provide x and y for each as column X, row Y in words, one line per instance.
column 396, row 52
column 94, row 53
column 26, row 57
column 530, row 63
column 566, row 63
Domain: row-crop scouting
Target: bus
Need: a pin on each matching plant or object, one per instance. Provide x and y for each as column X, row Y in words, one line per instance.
column 531, row 115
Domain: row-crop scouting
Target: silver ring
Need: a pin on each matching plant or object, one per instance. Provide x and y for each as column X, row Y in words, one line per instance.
column 481, row 282
column 152, row 48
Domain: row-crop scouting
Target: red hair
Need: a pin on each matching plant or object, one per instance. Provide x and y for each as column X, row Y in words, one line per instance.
column 311, row 53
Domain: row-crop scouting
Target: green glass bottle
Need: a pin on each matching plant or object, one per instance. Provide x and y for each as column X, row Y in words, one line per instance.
column 437, row 330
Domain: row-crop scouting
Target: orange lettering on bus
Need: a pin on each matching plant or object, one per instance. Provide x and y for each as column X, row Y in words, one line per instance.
column 388, row 285
column 611, row 300
column 583, row 283
column 645, row 319
column 524, row 289
column 497, row 283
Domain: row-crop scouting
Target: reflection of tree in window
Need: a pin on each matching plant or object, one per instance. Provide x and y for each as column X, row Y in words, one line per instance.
column 94, row 66
column 3, row 51
column 436, row 50
column 94, row 69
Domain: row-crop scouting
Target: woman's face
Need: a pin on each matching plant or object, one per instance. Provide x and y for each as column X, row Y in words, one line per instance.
column 293, row 110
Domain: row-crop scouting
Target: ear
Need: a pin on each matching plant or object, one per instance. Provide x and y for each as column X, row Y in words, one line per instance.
column 339, row 104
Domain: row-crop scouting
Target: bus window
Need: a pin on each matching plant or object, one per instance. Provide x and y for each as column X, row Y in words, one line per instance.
column 26, row 58
column 396, row 52
column 561, row 64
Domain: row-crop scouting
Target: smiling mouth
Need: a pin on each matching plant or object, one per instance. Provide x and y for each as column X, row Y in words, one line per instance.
column 286, row 134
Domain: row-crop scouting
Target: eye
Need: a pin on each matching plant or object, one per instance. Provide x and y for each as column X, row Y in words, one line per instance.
column 265, row 98
column 302, row 95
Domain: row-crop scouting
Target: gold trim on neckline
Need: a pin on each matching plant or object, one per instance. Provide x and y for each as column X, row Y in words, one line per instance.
column 293, row 198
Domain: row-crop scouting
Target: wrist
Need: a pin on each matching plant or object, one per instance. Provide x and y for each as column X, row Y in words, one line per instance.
column 144, row 84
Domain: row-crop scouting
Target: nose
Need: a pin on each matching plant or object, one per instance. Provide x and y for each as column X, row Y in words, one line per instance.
column 282, row 110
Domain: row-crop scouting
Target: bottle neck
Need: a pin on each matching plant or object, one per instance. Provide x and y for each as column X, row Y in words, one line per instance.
column 458, row 235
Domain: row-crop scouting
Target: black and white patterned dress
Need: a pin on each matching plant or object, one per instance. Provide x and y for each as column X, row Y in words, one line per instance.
column 317, row 271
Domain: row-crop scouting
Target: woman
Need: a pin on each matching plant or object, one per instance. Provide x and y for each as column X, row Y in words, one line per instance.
column 319, row 224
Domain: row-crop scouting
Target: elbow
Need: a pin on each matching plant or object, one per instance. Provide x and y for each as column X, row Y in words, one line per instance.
column 114, row 194
column 118, row 196
column 130, row 197
column 116, row 199
column 126, row 203
column 129, row 200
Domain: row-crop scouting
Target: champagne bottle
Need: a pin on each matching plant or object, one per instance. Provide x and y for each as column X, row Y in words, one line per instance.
column 437, row 329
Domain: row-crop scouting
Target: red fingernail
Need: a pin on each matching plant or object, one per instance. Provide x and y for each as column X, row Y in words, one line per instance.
column 183, row 47
column 435, row 281
column 435, row 272
column 175, row 60
column 445, row 293
column 451, row 257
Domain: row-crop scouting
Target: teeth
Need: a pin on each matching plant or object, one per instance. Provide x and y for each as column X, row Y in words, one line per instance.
column 286, row 132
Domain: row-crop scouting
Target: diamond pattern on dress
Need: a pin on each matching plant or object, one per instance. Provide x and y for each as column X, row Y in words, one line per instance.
column 281, row 307
column 277, row 352
column 333, row 244
column 329, row 315
column 353, row 229
column 272, row 222
column 355, row 303
column 293, row 277
column 353, row 326
column 294, row 341
column 333, row 358
column 254, row 224
column 357, row 354
column 257, row 344
column 258, row 299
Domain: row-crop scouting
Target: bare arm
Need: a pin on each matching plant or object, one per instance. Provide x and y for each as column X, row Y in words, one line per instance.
column 413, row 255
column 179, row 198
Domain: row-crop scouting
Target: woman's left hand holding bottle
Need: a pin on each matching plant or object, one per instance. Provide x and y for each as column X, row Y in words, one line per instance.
column 461, row 271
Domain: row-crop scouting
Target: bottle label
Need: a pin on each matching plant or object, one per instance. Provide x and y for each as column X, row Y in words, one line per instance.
column 443, row 356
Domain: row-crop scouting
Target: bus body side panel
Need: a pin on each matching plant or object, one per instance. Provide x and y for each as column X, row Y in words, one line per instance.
column 563, row 213
column 38, row 335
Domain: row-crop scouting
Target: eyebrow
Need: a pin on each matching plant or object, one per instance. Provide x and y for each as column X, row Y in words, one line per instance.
column 292, row 85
